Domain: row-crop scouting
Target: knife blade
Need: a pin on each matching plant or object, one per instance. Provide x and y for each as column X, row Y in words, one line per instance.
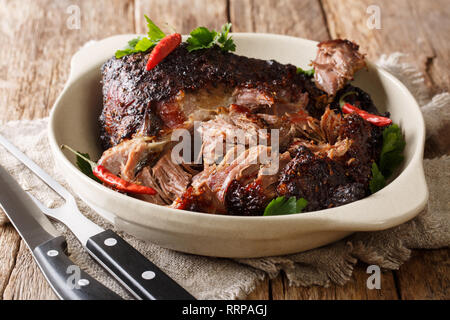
column 47, row 245
column 134, row 271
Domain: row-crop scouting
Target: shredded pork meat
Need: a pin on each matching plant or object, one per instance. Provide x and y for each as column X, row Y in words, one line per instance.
column 241, row 103
column 335, row 64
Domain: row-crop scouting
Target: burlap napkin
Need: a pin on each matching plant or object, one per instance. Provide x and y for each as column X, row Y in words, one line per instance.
column 214, row 278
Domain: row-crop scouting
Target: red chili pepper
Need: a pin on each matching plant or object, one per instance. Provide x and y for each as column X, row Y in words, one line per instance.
column 122, row 185
column 372, row 118
column 112, row 180
column 165, row 46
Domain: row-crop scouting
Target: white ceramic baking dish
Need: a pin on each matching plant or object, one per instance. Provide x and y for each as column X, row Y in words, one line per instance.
column 74, row 121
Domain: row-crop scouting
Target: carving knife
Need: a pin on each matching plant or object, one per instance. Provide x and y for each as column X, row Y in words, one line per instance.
column 47, row 245
column 135, row 272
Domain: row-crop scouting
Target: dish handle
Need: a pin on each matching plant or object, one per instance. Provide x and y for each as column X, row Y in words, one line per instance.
column 401, row 200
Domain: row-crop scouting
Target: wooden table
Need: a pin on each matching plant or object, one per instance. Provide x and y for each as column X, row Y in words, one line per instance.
column 38, row 40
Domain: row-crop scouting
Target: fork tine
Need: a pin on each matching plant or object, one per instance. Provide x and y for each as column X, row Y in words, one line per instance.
column 52, row 183
column 41, row 206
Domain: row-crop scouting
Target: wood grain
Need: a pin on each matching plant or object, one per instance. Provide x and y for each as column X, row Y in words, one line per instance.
column 412, row 27
column 425, row 276
column 433, row 18
column 355, row 288
column 182, row 15
column 27, row 281
column 35, row 63
column 9, row 247
column 301, row 18
column 261, row 292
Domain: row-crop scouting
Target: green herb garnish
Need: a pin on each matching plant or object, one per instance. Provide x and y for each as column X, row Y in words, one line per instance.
column 392, row 151
column 85, row 166
column 203, row 38
column 308, row 73
column 154, row 35
column 281, row 206
column 390, row 158
column 378, row 181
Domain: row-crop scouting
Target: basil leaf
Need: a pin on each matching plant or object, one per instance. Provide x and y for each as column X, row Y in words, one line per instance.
column 281, row 206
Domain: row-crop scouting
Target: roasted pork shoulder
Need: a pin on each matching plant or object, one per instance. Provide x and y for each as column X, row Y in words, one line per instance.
column 245, row 110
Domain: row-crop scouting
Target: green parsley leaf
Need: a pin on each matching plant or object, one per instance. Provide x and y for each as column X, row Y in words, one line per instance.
column 203, row 38
column 225, row 43
column 281, row 206
column 308, row 73
column 122, row 53
column 154, row 32
column 301, row 204
column 378, row 181
column 390, row 158
column 85, row 166
column 132, row 43
column 142, row 44
column 392, row 151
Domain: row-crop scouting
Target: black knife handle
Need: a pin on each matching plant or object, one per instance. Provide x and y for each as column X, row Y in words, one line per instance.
column 140, row 276
column 67, row 279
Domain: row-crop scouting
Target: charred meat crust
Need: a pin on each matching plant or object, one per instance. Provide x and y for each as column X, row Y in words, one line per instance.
column 323, row 182
column 329, row 183
column 130, row 93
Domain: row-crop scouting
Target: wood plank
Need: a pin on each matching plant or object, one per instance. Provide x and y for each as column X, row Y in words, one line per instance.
column 33, row 68
column 355, row 288
column 298, row 18
column 26, row 281
column 261, row 292
column 9, row 247
column 35, row 63
column 433, row 19
column 182, row 15
column 425, row 276
column 399, row 29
